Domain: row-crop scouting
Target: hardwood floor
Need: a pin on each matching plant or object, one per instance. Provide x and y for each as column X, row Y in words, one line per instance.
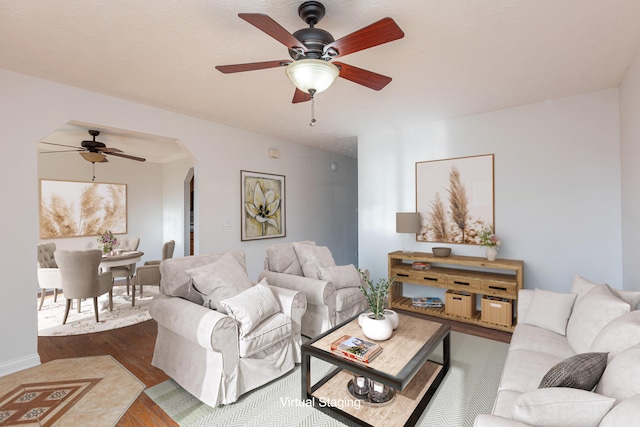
column 133, row 348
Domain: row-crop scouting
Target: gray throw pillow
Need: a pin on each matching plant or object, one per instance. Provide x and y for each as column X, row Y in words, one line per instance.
column 582, row 371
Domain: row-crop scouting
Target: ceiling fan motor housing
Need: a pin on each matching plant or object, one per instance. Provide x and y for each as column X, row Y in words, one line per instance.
column 314, row 39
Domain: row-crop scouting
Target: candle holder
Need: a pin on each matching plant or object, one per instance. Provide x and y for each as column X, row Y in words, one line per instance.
column 378, row 392
column 360, row 386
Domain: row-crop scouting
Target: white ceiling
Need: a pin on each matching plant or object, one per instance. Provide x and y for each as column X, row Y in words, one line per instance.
column 458, row 57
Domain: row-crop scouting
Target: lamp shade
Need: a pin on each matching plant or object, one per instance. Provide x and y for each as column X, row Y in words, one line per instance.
column 312, row 74
column 408, row 222
column 93, row 157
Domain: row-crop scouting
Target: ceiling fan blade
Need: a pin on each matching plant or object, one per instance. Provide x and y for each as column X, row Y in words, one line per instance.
column 59, row 151
column 63, row 145
column 273, row 29
column 380, row 32
column 236, row 68
column 363, row 77
column 110, row 150
column 300, row 96
column 126, row 156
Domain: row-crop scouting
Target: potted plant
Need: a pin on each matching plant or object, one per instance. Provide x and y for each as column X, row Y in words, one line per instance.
column 489, row 240
column 379, row 323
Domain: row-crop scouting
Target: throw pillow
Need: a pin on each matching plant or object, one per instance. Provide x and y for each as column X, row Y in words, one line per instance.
column 283, row 259
column 590, row 314
column 252, row 306
column 582, row 286
column 220, row 279
column 624, row 414
column 618, row 335
column 311, row 257
column 581, row 371
column 342, row 276
column 620, row 379
column 550, row 310
column 566, row 407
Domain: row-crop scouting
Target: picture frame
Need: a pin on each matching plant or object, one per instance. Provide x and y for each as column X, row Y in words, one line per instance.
column 77, row 208
column 455, row 199
column 263, row 213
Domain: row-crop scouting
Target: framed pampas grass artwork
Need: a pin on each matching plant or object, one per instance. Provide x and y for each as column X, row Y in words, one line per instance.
column 263, row 202
column 455, row 199
column 74, row 209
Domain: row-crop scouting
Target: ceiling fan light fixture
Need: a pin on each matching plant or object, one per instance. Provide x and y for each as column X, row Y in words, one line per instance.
column 312, row 74
column 93, row 157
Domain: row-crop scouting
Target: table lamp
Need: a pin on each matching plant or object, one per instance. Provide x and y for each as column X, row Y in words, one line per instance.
column 408, row 222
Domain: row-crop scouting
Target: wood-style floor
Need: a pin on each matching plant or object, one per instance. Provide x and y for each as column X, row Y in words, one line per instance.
column 133, row 348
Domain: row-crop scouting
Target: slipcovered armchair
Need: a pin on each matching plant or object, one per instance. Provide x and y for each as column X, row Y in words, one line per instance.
column 219, row 335
column 126, row 244
column 81, row 279
column 333, row 292
column 48, row 272
column 149, row 273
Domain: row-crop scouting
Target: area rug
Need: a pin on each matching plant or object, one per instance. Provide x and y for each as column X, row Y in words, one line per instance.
column 85, row 391
column 469, row 389
column 51, row 315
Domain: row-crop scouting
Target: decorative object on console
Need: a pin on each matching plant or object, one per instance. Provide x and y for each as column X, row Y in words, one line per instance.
column 432, row 302
column 443, row 198
column 409, row 223
column 489, row 240
column 263, row 206
column 441, row 251
column 418, row 265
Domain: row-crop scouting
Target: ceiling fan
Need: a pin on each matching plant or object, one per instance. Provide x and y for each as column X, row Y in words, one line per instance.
column 94, row 151
column 312, row 50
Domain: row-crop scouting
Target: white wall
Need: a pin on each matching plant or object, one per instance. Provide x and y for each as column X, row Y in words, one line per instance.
column 630, row 160
column 317, row 206
column 557, row 186
column 174, row 175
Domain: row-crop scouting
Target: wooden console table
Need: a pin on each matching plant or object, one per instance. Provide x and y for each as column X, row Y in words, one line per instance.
column 502, row 278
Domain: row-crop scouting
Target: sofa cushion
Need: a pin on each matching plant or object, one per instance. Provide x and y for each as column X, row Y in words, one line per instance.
column 270, row 331
column 523, row 370
column 624, row 414
column 550, row 310
column 561, row 406
column 342, row 276
column 582, row 286
column 618, row 335
column 311, row 257
column 282, row 258
column 620, row 379
column 251, row 306
column 532, row 338
column 581, row 371
column 218, row 280
column 591, row 313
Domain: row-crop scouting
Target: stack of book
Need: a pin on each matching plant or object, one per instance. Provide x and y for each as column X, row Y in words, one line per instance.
column 427, row 302
column 419, row 265
column 355, row 348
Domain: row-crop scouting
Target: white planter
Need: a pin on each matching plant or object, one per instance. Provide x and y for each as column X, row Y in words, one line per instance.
column 376, row 329
column 492, row 253
column 393, row 318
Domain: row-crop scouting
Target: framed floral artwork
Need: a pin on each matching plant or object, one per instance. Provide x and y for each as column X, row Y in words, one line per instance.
column 263, row 205
column 75, row 208
column 455, row 199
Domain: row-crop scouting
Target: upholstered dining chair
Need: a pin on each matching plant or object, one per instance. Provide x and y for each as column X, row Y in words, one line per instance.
column 127, row 271
column 81, row 279
column 149, row 273
column 48, row 272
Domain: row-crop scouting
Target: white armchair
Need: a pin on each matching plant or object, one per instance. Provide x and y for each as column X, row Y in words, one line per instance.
column 48, row 272
column 213, row 355
column 296, row 266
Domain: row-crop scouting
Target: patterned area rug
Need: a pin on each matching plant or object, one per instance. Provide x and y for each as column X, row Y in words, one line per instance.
column 51, row 315
column 469, row 389
column 86, row 391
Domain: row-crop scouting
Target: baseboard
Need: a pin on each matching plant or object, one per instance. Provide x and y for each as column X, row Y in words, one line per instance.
column 16, row 365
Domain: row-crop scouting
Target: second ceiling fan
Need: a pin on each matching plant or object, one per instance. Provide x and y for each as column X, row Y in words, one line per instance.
column 312, row 50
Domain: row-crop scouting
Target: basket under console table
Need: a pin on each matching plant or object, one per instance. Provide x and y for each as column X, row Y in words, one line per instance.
column 495, row 282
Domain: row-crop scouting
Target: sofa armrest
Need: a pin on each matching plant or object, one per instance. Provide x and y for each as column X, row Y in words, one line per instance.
column 524, row 300
column 207, row 328
column 486, row 420
column 293, row 303
column 49, row 278
column 318, row 292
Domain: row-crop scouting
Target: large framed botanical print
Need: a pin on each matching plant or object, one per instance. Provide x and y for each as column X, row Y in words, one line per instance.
column 455, row 199
column 263, row 205
column 74, row 208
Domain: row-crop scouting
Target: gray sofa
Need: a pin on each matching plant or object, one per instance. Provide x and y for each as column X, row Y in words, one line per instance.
column 593, row 321
column 210, row 353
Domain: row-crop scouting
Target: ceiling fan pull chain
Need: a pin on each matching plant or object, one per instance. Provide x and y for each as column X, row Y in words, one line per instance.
column 313, row 102
column 93, row 164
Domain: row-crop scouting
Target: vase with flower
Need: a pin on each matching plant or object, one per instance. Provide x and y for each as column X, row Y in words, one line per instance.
column 489, row 240
column 106, row 241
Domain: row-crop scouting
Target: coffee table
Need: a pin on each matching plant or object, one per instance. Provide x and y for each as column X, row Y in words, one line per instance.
column 403, row 365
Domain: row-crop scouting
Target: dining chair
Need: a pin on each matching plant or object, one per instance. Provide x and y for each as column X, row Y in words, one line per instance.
column 149, row 273
column 80, row 278
column 48, row 272
column 127, row 271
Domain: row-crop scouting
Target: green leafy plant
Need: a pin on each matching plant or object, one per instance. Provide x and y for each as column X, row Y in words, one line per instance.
column 377, row 294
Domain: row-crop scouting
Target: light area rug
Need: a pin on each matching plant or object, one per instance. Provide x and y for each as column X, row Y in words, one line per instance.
column 51, row 315
column 469, row 389
column 84, row 391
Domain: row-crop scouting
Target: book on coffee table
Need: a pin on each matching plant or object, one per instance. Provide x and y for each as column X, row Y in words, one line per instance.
column 355, row 348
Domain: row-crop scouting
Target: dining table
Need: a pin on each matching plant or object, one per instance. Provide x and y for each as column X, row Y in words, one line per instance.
column 119, row 258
